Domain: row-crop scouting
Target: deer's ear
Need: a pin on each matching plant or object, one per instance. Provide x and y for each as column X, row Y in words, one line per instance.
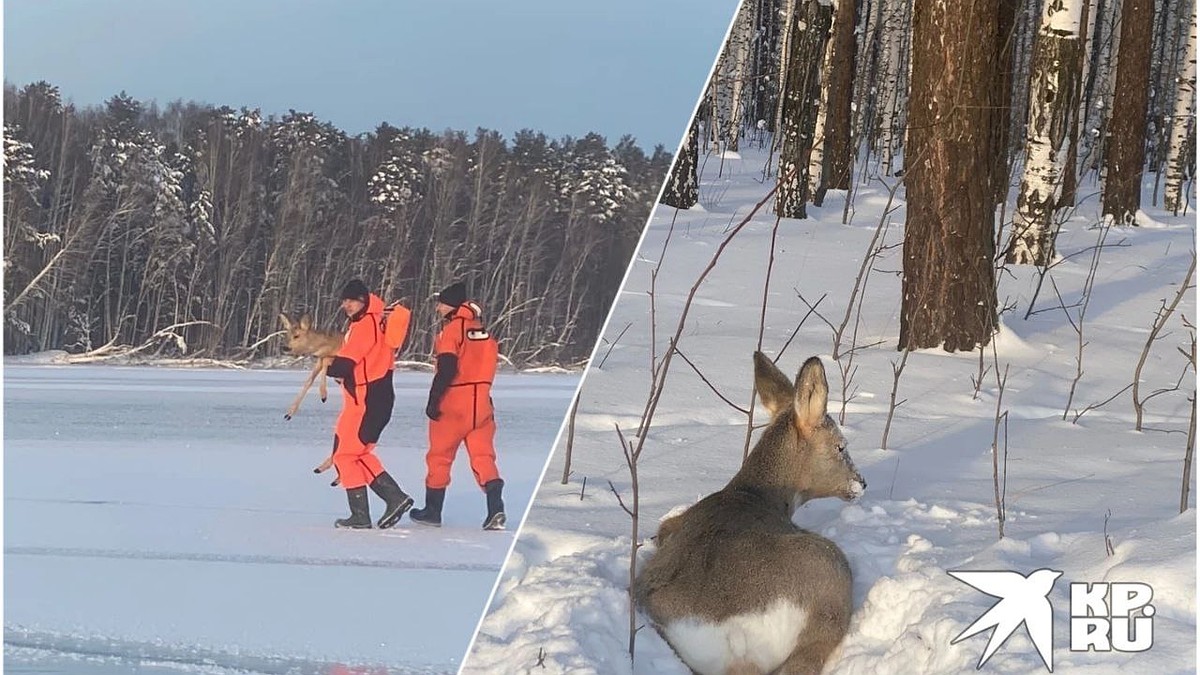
column 812, row 394
column 773, row 387
column 305, row 322
column 287, row 323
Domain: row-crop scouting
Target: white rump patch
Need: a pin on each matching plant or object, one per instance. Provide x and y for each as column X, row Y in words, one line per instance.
column 765, row 639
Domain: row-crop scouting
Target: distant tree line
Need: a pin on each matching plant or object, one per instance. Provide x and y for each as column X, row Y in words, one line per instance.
column 128, row 218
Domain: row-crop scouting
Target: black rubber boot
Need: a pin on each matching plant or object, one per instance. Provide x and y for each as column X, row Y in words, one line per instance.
column 360, row 511
column 397, row 500
column 432, row 513
column 495, row 505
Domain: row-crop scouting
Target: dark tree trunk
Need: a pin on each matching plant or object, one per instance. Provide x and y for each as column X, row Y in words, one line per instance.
column 1070, row 179
column 1006, row 28
column 810, row 29
column 839, row 153
column 681, row 191
column 949, row 296
column 1125, row 142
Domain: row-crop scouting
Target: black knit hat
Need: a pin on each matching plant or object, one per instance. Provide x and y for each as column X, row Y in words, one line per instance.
column 454, row 295
column 355, row 289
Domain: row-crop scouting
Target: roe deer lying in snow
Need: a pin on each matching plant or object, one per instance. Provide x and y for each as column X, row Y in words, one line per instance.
column 734, row 586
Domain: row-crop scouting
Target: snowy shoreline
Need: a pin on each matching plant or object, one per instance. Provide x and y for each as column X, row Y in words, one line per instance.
column 58, row 357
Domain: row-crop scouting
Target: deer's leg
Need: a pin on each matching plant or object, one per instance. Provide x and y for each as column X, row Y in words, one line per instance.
column 817, row 643
column 322, row 364
column 328, row 464
column 304, row 390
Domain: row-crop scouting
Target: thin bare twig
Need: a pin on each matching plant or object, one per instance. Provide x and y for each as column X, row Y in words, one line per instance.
column 1043, row 273
column 711, row 386
column 1095, row 406
column 1001, row 498
column 762, row 324
column 1188, row 454
column 611, row 345
column 864, row 268
column 1160, row 320
column 1109, row 550
column 892, row 404
column 1088, row 285
column 619, row 500
column 566, row 474
column 977, row 379
column 798, row 327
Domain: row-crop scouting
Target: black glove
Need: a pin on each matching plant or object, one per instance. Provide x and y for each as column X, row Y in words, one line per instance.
column 447, row 368
column 340, row 368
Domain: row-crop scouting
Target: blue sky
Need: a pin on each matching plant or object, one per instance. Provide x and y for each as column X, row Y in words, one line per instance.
column 565, row 67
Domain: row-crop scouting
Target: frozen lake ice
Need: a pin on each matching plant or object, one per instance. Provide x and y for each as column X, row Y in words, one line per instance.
column 162, row 519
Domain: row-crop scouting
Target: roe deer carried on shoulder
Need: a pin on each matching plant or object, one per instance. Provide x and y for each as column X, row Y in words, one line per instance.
column 303, row 340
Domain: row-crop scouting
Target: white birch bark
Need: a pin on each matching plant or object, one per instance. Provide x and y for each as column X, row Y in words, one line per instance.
column 785, row 46
column 816, row 161
column 712, row 130
column 1182, row 126
column 1100, row 107
column 738, row 51
column 722, row 94
column 1052, row 90
column 894, row 71
column 810, row 31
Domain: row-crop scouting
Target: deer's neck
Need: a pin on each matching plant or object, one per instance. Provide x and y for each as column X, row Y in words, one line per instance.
column 765, row 476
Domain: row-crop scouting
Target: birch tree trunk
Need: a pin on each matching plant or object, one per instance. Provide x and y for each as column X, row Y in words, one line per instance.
column 1097, row 92
column 816, row 158
column 1179, row 153
column 948, row 289
column 1053, row 95
column 681, row 190
column 893, row 28
column 738, row 52
column 1165, row 62
column 1125, row 142
column 809, row 31
column 785, row 51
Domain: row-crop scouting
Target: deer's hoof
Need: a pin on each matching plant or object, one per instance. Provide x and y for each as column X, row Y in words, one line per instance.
column 287, row 416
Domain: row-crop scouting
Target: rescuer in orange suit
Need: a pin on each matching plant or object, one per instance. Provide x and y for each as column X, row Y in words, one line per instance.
column 364, row 366
column 460, row 408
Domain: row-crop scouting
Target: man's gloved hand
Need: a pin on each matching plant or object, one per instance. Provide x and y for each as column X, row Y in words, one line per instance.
column 433, row 410
column 341, row 369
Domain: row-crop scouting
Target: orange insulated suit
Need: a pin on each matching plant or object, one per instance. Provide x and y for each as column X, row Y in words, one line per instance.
column 364, row 364
column 466, row 414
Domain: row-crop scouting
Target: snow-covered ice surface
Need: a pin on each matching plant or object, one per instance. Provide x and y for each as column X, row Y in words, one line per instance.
column 561, row 605
column 163, row 520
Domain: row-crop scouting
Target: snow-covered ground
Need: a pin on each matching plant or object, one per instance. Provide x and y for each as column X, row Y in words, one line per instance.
column 561, row 605
column 164, row 520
